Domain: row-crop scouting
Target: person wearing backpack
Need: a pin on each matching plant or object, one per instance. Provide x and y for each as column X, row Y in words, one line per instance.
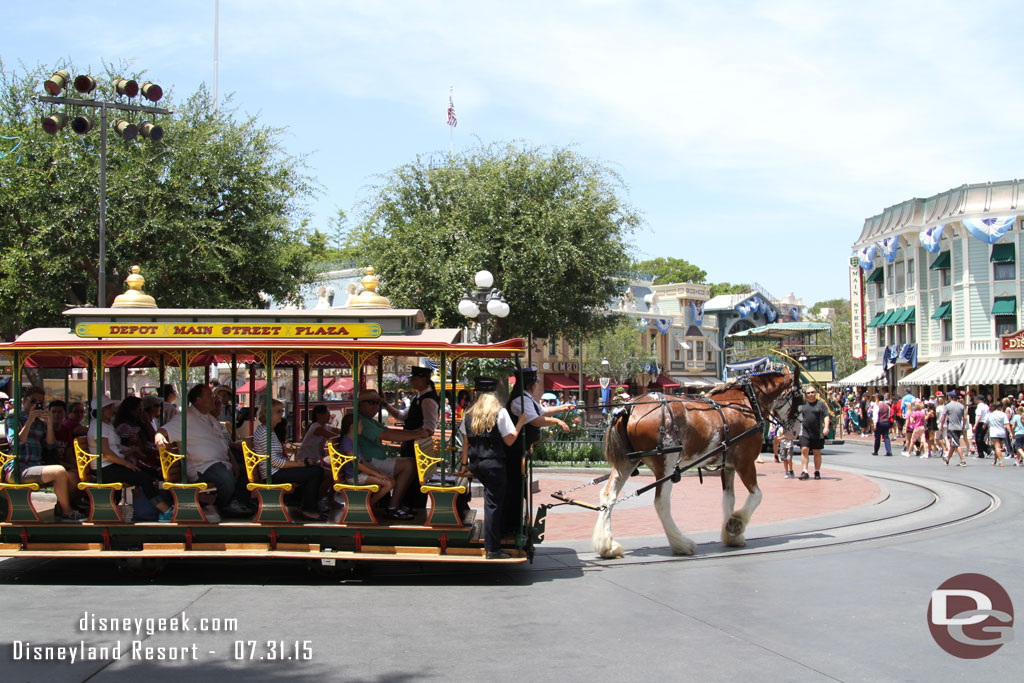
column 883, row 422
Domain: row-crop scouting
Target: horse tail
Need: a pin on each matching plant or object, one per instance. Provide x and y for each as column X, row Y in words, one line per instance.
column 616, row 446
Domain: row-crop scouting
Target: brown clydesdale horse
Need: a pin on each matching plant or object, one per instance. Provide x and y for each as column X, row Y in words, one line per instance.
column 697, row 426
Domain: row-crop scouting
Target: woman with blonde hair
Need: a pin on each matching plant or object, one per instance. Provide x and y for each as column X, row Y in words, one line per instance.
column 486, row 429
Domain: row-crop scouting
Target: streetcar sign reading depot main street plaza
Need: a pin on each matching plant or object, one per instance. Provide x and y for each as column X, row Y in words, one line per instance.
column 228, row 331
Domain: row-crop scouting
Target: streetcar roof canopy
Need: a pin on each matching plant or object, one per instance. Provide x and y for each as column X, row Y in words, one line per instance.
column 136, row 337
column 781, row 330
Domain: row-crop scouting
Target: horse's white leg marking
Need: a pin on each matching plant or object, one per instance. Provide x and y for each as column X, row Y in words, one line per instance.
column 604, row 544
column 680, row 544
column 736, row 524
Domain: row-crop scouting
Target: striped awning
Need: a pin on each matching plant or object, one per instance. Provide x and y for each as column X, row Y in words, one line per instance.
column 992, row 371
column 935, row 372
column 869, row 375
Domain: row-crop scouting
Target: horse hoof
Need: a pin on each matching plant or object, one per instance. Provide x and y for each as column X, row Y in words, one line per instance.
column 684, row 547
column 735, row 542
column 613, row 553
column 734, row 526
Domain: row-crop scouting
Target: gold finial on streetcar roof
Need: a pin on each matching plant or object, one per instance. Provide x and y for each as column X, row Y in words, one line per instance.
column 369, row 298
column 134, row 297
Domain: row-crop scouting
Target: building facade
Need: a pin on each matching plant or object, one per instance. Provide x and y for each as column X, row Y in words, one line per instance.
column 941, row 288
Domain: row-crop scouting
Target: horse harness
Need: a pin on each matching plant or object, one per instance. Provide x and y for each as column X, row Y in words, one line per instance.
column 676, row 474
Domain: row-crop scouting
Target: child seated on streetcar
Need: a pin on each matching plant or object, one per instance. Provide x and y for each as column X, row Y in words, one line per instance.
column 115, row 464
column 367, row 475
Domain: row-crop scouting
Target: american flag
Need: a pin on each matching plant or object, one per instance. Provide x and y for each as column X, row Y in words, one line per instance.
column 452, row 121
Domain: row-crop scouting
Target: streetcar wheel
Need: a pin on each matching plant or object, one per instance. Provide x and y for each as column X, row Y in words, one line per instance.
column 141, row 567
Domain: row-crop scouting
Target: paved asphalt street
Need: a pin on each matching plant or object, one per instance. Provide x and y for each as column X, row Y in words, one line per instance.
column 839, row 597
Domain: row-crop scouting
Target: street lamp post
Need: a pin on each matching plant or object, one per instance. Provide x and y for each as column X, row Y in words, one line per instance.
column 124, row 128
column 484, row 303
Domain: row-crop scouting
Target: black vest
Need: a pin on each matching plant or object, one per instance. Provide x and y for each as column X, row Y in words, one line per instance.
column 414, row 419
column 489, row 446
column 530, row 432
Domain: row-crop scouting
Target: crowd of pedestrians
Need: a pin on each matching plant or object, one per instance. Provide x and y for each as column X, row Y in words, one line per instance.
column 953, row 425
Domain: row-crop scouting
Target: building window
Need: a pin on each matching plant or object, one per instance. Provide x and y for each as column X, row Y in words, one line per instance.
column 552, row 346
column 880, row 340
column 911, row 333
column 901, row 277
column 879, row 290
column 890, row 277
column 1005, row 324
column 700, row 349
column 901, row 334
column 1004, row 271
column 910, row 274
column 946, row 277
column 576, row 351
column 709, row 354
column 677, row 352
column 947, row 330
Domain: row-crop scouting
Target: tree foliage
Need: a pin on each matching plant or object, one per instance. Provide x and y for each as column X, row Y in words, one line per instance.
column 621, row 346
column 729, row 288
column 666, row 270
column 548, row 223
column 209, row 213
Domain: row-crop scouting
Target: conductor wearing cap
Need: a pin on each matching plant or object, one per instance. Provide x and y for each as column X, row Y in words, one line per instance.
column 523, row 402
column 422, row 412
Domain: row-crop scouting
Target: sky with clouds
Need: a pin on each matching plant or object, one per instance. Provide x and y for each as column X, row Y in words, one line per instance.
column 753, row 137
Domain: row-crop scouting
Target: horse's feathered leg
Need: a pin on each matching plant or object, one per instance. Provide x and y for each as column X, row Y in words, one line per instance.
column 728, row 499
column 680, row 544
column 736, row 522
column 615, row 450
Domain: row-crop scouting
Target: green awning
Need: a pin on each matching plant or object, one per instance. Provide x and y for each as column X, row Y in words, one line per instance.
column 944, row 311
column 876, row 320
column 889, row 317
column 907, row 315
column 1005, row 305
column 1003, row 253
column 941, row 262
column 877, row 275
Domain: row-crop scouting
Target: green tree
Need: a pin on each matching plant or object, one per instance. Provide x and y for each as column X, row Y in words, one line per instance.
column 729, row 288
column 621, row 346
column 846, row 364
column 209, row 213
column 666, row 270
column 549, row 225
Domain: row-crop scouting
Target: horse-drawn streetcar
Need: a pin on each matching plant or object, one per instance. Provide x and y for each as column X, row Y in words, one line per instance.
column 360, row 339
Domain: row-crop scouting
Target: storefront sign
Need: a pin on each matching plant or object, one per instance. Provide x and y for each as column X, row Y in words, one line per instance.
column 858, row 348
column 228, row 331
column 565, row 366
column 1012, row 342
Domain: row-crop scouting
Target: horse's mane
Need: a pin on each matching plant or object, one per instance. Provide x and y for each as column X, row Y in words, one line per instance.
column 726, row 386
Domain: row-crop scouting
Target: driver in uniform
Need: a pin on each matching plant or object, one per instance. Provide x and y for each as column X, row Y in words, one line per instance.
column 423, row 412
column 522, row 399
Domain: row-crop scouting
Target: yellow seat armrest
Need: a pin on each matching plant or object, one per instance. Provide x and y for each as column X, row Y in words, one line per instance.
column 30, row 487
column 167, row 485
column 353, row 487
column 269, row 487
column 442, row 489
column 83, row 485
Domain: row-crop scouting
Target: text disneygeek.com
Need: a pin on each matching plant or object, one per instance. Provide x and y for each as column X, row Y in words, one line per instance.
column 137, row 649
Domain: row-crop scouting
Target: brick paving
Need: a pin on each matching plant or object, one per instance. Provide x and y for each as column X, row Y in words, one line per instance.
column 697, row 507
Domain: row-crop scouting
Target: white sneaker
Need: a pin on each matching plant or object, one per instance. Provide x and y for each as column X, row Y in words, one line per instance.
column 906, row 454
column 924, row 455
column 211, row 513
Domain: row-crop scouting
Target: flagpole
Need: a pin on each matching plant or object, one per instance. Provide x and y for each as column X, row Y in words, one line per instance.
column 451, row 128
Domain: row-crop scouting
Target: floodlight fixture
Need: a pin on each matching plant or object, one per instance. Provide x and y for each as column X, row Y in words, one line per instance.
column 54, row 122
column 85, row 84
column 81, row 124
column 151, row 91
column 151, row 131
column 126, row 87
column 57, row 82
column 126, row 129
